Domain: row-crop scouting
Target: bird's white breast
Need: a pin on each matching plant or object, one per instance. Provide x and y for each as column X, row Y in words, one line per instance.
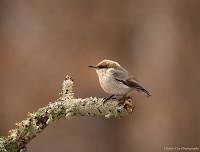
column 110, row 85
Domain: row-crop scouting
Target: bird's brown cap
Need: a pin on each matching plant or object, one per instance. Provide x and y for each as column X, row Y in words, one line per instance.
column 107, row 64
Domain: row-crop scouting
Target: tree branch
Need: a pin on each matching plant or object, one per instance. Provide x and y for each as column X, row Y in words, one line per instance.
column 66, row 106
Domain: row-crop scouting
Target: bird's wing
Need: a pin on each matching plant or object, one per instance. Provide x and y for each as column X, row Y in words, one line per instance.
column 120, row 74
column 131, row 82
column 123, row 75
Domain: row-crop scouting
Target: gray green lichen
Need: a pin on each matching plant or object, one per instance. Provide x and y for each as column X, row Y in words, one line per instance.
column 64, row 107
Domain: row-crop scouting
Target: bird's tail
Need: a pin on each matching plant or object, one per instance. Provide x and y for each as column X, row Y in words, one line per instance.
column 139, row 88
column 135, row 85
column 143, row 90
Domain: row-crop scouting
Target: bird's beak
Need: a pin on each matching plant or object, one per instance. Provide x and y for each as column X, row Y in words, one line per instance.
column 91, row 66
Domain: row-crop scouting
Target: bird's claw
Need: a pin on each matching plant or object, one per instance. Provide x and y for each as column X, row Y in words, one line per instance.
column 122, row 100
column 108, row 98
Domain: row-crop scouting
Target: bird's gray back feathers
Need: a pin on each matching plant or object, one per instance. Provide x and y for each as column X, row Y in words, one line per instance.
column 124, row 77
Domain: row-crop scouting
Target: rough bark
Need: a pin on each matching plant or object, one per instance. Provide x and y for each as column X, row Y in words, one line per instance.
column 66, row 106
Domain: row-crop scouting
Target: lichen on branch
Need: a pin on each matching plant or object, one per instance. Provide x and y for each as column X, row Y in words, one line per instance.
column 66, row 106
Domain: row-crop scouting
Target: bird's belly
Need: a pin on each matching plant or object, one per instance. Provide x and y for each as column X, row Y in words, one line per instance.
column 111, row 86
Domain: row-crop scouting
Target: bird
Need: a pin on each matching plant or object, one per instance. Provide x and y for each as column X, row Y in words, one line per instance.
column 116, row 80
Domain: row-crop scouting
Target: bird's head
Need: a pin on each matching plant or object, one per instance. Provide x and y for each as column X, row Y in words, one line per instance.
column 105, row 65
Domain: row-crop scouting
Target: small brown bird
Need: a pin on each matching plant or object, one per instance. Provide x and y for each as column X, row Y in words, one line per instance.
column 115, row 80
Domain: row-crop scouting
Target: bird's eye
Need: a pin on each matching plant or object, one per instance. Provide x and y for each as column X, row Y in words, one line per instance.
column 100, row 67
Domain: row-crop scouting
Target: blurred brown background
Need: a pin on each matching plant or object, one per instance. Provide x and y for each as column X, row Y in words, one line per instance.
column 157, row 40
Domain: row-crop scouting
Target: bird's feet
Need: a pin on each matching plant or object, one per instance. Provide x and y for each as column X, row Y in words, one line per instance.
column 123, row 99
column 108, row 98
